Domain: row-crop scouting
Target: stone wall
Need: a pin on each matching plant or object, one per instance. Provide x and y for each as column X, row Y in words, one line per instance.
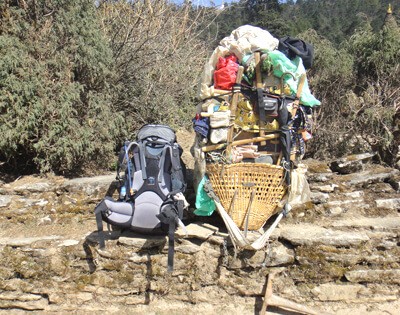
column 339, row 253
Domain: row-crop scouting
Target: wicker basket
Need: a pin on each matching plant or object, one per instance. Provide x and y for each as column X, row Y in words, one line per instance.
column 234, row 184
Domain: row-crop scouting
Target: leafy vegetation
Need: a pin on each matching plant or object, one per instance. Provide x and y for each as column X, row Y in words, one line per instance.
column 55, row 110
column 78, row 76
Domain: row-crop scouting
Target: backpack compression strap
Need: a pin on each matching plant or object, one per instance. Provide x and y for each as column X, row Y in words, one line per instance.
column 99, row 220
column 177, row 171
column 170, row 216
column 142, row 152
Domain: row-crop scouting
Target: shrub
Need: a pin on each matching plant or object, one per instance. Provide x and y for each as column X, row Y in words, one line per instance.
column 55, row 109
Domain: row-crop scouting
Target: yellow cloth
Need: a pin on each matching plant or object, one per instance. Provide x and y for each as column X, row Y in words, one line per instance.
column 246, row 118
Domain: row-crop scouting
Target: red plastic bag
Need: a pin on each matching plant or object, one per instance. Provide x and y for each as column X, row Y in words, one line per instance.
column 223, row 61
column 225, row 75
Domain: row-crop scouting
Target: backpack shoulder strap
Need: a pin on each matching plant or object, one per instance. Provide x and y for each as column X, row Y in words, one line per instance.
column 170, row 214
column 161, row 164
column 179, row 185
column 142, row 158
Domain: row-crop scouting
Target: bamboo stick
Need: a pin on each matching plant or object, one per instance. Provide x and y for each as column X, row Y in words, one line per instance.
column 268, row 293
column 298, row 94
column 286, row 304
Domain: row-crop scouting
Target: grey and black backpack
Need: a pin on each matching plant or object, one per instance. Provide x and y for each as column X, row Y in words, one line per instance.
column 153, row 176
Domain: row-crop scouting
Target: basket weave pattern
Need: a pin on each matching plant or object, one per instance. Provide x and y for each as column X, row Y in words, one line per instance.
column 235, row 183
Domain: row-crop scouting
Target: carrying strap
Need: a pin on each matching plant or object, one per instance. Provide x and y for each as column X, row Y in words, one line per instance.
column 127, row 147
column 142, row 154
column 100, row 208
column 122, row 159
column 260, row 101
column 171, row 244
column 170, row 215
column 142, row 157
column 237, row 237
column 161, row 165
column 176, row 168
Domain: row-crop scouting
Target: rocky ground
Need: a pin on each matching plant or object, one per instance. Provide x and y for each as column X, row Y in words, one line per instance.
column 338, row 253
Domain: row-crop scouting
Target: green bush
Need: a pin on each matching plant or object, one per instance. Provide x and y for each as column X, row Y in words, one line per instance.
column 55, row 73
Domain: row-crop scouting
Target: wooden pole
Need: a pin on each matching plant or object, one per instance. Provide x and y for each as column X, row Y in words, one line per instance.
column 268, row 293
column 277, row 301
column 298, row 94
column 235, row 98
column 286, row 304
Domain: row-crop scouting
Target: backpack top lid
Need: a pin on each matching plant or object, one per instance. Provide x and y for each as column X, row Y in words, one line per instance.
column 159, row 131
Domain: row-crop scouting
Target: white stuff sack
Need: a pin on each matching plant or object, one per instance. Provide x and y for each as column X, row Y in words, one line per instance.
column 299, row 189
column 218, row 135
column 247, row 39
column 220, row 119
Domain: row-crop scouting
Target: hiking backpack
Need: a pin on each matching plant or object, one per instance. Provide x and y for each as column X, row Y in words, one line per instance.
column 151, row 188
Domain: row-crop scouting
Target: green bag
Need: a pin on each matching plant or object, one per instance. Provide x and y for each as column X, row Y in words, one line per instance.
column 205, row 206
column 282, row 64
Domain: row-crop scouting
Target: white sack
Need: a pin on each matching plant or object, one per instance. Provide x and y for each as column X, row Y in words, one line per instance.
column 299, row 189
column 248, row 39
column 218, row 135
column 220, row 119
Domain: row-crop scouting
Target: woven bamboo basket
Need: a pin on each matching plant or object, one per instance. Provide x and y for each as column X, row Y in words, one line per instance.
column 248, row 191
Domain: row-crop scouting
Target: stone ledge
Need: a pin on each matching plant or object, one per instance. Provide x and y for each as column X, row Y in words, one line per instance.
column 307, row 234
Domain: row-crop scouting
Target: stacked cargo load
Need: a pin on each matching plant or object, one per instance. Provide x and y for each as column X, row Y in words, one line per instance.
column 252, row 124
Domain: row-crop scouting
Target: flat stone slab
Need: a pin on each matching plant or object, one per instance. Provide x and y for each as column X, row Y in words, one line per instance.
column 376, row 276
column 382, row 224
column 308, row 234
column 26, row 241
column 198, row 230
column 337, row 292
column 89, row 184
column 67, row 243
column 142, row 241
column 279, row 255
column 33, row 188
column 393, row 203
column 349, row 203
column 350, row 293
column 90, row 180
column 5, row 201
column 324, row 188
column 376, row 175
column 350, row 164
column 315, row 166
column 319, row 197
column 319, row 177
column 25, row 301
column 187, row 248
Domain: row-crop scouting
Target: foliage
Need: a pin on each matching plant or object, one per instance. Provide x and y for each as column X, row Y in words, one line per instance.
column 376, row 113
column 54, row 77
column 77, row 76
column 158, row 58
column 331, row 77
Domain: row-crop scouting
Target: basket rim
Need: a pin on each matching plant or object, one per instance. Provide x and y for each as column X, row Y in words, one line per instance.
column 265, row 165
